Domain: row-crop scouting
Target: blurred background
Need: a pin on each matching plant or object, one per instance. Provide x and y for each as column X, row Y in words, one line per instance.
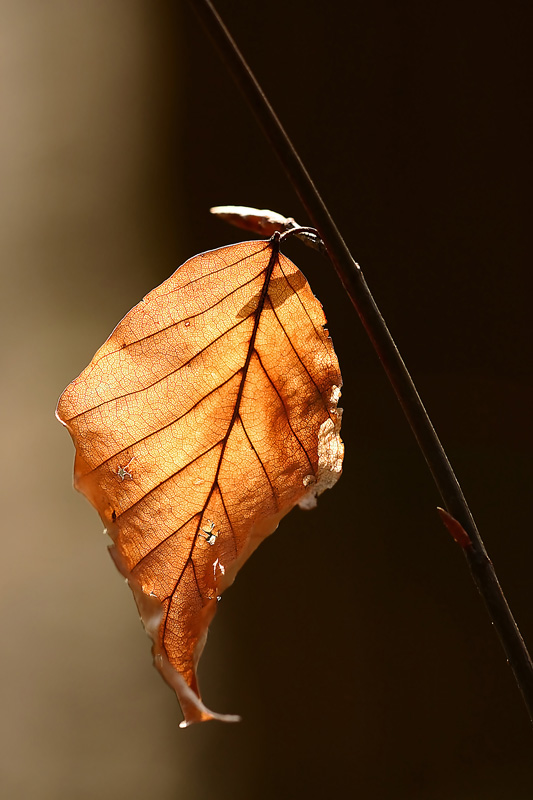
column 353, row 643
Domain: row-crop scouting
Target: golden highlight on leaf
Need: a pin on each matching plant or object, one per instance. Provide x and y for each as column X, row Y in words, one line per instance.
column 207, row 415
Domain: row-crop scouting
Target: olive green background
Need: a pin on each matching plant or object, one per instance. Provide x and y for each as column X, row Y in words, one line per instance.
column 353, row 643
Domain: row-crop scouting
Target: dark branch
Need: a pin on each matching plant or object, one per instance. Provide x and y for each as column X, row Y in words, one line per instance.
column 355, row 285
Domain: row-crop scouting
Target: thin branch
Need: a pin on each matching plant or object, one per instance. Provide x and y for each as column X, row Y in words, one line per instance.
column 355, row 285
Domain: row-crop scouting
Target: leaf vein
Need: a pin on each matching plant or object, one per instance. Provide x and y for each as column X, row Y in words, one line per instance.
column 163, row 377
column 170, row 535
column 267, row 476
column 179, row 321
column 168, row 425
column 170, row 477
column 285, row 410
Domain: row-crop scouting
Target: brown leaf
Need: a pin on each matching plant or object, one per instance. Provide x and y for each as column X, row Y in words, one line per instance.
column 207, row 415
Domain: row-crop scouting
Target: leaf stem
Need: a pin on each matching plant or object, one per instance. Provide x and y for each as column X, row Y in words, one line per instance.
column 352, row 279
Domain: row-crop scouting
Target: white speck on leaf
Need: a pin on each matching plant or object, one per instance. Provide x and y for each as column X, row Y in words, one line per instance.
column 208, row 532
column 123, row 473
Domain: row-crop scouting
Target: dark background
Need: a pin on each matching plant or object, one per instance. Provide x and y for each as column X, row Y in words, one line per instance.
column 353, row 643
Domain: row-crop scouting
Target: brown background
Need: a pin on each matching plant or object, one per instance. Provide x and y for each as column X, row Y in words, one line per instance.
column 353, row 643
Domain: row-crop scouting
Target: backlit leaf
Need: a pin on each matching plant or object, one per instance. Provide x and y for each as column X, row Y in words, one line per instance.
column 207, row 415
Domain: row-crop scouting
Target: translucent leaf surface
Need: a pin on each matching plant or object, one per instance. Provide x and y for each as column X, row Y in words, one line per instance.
column 207, row 415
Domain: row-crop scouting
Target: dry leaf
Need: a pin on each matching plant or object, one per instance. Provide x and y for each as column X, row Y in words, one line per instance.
column 207, row 415
column 259, row 220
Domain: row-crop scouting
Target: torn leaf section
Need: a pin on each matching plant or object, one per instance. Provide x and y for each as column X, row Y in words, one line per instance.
column 330, row 454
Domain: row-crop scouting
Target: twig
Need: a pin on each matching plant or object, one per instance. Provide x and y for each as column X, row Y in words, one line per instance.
column 355, row 285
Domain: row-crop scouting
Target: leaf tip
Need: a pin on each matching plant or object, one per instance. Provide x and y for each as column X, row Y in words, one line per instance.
column 186, row 723
column 150, row 610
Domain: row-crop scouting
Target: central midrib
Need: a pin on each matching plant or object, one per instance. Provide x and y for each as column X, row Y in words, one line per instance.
column 275, row 245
